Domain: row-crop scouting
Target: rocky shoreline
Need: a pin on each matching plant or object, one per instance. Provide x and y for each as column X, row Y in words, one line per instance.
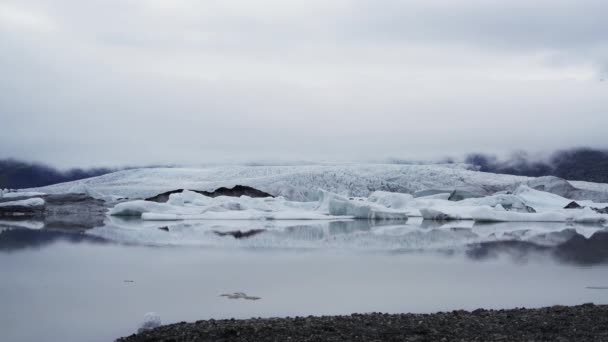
column 587, row 322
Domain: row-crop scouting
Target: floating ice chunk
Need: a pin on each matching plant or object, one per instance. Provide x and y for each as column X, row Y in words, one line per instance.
column 189, row 197
column 151, row 321
column 160, row 217
column 30, row 202
column 391, row 200
column 363, row 210
column 446, row 213
column 540, row 200
column 137, row 208
column 193, row 206
column 336, row 205
column 505, row 201
column 485, row 214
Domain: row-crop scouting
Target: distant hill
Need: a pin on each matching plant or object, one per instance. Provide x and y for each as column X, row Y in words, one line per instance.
column 584, row 164
column 16, row 174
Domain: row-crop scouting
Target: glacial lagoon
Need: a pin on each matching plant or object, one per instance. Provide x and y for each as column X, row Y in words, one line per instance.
column 98, row 284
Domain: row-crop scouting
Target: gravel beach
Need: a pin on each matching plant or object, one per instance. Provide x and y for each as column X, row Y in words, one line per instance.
column 587, row 322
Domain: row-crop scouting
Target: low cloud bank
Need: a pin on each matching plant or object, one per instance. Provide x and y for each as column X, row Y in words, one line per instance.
column 583, row 164
column 16, row 174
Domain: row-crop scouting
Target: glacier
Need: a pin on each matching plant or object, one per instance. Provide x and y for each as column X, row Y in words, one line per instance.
column 370, row 206
column 296, row 183
column 300, row 182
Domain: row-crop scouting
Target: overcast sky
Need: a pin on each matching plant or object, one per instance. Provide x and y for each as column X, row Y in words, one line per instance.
column 114, row 82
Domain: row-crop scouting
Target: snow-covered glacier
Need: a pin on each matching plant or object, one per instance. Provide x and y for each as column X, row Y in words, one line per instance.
column 301, row 182
column 357, row 205
column 298, row 183
column 353, row 206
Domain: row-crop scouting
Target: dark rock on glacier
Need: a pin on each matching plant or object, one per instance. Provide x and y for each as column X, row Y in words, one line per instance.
column 573, row 205
column 236, row 191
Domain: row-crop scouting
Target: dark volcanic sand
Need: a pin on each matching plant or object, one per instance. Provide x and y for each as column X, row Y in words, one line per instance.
column 586, row 322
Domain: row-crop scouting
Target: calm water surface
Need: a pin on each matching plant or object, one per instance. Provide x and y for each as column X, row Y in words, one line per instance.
column 65, row 287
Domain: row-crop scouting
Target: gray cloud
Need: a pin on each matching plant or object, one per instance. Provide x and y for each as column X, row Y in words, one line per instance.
column 130, row 82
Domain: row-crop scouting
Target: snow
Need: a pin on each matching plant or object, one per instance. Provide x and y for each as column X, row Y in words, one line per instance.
column 296, row 183
column 602, row 187
column 30, row 202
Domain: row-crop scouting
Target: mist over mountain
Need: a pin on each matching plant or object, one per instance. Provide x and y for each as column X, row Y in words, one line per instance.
column 584, row 164
column 15, row 174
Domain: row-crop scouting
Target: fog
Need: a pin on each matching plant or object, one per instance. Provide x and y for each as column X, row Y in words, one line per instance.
column 129, row 83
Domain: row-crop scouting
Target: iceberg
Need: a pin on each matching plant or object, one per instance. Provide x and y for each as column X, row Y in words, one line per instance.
column 485, row 214
column 294, row 182
column 189, row 205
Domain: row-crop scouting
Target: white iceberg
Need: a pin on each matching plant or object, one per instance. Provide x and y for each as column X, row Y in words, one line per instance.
column 189, row 205
column 586, row 215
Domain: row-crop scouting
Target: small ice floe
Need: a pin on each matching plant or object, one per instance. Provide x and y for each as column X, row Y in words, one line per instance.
column 239, row 295
column 151, row 321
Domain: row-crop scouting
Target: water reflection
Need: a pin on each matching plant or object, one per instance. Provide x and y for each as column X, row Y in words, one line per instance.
column 16, row 239
column 568, row 243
